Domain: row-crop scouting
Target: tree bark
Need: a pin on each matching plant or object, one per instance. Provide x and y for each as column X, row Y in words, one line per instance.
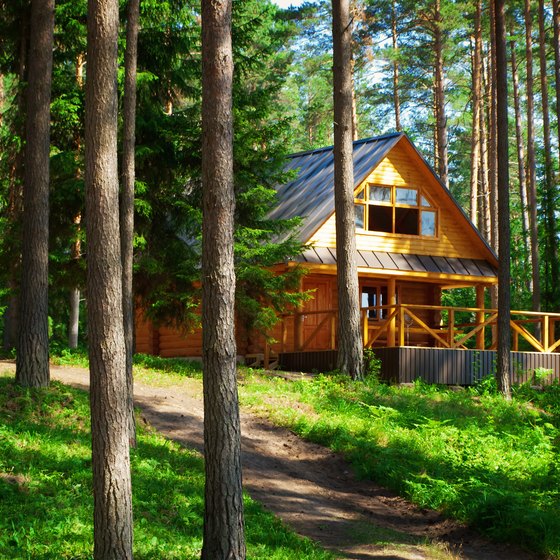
column 223, row 513
column 492, row 141
column 520, row 155
column 74, row 319
column 127, row 197
column 396, row 85
column 531, row 165
column 476, row 110
column 107, row 354
column 553, row 279
column 439, row 95
column 504, row 334
column 32, row 368
column 350, row 350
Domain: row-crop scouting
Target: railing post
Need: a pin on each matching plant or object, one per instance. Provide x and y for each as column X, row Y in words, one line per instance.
column 546, row 332
column 333, row 330
column 451, row 327
column 284, row 336
column 402, row 325
column 480, row 316
column 515, row 335
column 391, row 296
column 266, row 355
column 365, row 327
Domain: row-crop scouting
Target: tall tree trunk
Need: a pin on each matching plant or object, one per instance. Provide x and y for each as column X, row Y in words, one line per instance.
column 531, row 165
column 223, row 513
column 127, row 197
column 520, row 156
column 76, row 248
column 553, row 280
column 484, row 197
column 350, row 350
column 504, row 334
column 107, row 354
column 556, row 26
column 439, row 95
column 492, row 144
column 396, row 85
column 476, row 110
column 32, row 368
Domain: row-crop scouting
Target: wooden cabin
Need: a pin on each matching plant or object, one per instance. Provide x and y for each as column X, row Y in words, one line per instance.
column 413, row 241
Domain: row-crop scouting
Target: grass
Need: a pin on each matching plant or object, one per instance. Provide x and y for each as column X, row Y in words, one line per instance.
column 491, row 463
column 46, row 506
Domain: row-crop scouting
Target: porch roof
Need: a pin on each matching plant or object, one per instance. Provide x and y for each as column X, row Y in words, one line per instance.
column 407, row 263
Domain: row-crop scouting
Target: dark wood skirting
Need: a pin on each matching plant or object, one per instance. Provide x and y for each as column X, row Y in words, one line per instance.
column 434, row 365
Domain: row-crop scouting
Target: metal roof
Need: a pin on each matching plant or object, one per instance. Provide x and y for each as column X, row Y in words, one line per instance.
column 401, row 261
column 311, row 194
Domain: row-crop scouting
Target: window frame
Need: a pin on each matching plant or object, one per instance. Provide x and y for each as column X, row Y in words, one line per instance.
column 424, row 204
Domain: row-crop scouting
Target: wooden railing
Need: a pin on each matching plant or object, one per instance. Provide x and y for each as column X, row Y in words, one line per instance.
column 423, row 325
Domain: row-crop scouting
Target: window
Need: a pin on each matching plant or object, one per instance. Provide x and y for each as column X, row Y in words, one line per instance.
column 374, row 296
column 402, row 210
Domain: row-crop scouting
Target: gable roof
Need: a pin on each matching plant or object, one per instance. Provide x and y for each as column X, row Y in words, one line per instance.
column 311, row 194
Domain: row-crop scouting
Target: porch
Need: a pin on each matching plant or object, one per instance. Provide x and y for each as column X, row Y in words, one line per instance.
column 441, row 344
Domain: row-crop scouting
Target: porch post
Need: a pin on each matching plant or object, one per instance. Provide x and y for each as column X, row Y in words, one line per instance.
column 392, row 297
column 480, row 316
column 298, row 323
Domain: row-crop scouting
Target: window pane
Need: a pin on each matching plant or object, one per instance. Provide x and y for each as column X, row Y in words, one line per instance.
column 379, row 194
column 380, row 218
column 369, row 299
column 424, row 202
column 406, row 221
column 428, row 222
column 406, row 196
column 359, row 210
column 360, row 194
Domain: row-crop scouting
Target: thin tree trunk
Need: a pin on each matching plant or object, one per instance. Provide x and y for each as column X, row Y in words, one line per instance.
column 350, row 351
column 553, row 279
column 127, row 198
column 476, row 110
column 484, row 197
column 223, row 513
column 107, row 355
column 32, row 367
column 556, row 25
column 74, row 320
column 76, row 248
column 520, row 155
column 492, row 141
column 504, row 334
column 531, row 165
column 439, row 86
column 396, row 85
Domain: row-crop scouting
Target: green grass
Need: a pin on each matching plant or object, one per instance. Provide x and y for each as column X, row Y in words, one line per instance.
column 46, row 507
column 491, row 463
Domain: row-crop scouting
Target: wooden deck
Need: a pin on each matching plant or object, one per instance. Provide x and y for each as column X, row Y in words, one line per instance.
column 404, row 364
column 440, row 344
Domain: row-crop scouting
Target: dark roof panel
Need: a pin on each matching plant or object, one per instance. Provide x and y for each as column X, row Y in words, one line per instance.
column 379, row 260
column 311, row 194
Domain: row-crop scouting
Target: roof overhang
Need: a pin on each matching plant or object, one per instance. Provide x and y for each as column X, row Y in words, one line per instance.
column 451, row 271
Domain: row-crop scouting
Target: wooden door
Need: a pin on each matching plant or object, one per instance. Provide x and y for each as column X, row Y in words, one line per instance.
column 322, row 300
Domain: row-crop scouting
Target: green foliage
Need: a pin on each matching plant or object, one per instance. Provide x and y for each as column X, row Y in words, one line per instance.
column 46, row 505
column 470, row 454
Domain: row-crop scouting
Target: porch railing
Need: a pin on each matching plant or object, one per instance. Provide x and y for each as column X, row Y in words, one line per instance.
column 422, row 325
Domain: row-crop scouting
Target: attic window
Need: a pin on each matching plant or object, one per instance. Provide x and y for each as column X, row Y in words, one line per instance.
column 391, row 209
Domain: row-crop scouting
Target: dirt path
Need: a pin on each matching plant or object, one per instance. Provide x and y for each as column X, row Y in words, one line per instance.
column 310, row 488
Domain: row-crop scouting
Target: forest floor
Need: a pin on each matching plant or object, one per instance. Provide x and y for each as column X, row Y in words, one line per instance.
column 308, row 486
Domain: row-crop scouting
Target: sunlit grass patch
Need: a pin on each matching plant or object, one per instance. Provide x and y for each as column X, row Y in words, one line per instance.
column 492, row 463
column 46, row 506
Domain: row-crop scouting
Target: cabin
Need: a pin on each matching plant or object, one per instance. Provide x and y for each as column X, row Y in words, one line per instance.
column 414, row 243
